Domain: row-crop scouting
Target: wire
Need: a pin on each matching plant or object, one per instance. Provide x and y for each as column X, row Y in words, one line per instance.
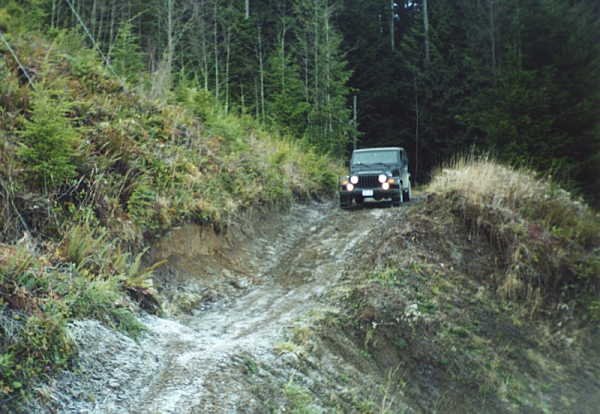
column 95, row 44
column 14, row 55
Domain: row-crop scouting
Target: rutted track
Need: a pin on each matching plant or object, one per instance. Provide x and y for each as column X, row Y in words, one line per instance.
column 184, row 366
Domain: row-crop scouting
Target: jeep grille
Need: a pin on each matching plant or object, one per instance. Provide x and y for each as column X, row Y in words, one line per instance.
column 368, row 181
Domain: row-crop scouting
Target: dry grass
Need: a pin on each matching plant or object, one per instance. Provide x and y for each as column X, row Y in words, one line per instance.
column 548, row 239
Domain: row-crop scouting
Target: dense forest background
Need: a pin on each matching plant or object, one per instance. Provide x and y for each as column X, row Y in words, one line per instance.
column 517, row 78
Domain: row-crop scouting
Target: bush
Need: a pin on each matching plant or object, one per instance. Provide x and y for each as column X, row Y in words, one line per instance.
column 49, row 142
column 548, row 239
column 126, row 57
column 31, row 347
column 102, row 300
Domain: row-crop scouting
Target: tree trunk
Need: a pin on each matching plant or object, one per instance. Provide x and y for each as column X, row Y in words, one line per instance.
column 426, row 29
column 329, row 126
column 261, row 73
column 216, row 49
column 170, row 43
column 256, row 100
column 492, row 17
column 203, row 43
column 417, row 122
column 93, row 18
column 53, row 15
column 355, row 120
column 392, row 26
column 283, row 33
column 247, row 8
column 111, row 34
column 242, row 98
column 227, row 59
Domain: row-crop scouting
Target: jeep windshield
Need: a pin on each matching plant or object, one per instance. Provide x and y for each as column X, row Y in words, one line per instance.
column 375, row 157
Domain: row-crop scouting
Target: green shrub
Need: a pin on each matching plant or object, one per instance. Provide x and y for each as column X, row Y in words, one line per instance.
column 547, row 238
column 49, row 142
column 15, row 15
column 299, row 399
column 126, row 56
column 39, row 347
column 197, row 100
column 141, row 205
column 102, row 300
column 85, row 247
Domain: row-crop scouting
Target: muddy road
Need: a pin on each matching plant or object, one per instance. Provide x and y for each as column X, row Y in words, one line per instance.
column 190, row 363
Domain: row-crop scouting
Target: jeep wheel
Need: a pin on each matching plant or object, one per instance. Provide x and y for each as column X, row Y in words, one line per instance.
column 345, row 202
column 407, row 194
column 399, row 199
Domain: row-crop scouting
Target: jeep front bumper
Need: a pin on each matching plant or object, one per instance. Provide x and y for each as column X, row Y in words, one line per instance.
column 376, row 193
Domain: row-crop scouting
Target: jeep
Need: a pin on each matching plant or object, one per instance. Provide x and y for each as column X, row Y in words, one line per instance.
column 376, row 174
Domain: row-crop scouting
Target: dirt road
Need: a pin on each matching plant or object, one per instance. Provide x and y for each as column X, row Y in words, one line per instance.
column 191, row 364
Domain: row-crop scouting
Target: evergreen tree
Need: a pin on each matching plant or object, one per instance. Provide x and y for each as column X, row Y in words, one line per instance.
column 126, row 57
column 49, row 142
column 287, row 105
column 325, row 76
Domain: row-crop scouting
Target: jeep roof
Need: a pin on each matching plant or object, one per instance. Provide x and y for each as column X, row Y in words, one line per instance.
column 380, row 149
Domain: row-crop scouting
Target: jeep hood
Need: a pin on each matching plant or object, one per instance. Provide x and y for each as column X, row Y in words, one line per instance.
column 370, row 170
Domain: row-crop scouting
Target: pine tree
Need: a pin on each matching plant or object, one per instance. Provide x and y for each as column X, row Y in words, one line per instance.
column 325, row 77
column 287, row 106
column 49, row 142
column 126, row 58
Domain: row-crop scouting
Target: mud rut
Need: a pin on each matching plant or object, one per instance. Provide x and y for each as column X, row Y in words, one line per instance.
column 184, row 366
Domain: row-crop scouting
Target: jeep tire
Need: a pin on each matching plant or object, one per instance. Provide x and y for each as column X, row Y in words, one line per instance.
column 345, row 202
column 407, row 194
column 398, row 199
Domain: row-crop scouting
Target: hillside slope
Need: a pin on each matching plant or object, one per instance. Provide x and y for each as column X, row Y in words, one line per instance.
column 91, row 171
column 146, row 264
column 376, row 310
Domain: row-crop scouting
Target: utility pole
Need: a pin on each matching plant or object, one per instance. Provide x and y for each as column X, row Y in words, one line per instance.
column 392, row 26
column 426, row 27
column 493, row 37
column 354, row 119
column 417, row 121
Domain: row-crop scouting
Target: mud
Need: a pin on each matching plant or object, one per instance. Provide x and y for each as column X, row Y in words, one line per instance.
column 299, row 312
column 190, row 362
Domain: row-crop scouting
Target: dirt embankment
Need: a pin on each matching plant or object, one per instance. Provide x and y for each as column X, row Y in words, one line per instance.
column 319, row 310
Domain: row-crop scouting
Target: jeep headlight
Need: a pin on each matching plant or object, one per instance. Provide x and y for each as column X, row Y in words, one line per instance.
column 382, row 178
column 349, row 186
column 354, row 179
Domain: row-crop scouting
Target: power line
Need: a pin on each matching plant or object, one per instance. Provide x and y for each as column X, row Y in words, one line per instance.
column 95, row 44
column 14, row 55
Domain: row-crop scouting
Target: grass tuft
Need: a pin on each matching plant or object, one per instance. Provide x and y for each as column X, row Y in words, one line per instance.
column 548, row 239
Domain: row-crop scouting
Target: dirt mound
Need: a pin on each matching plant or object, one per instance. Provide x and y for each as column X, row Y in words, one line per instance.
column 381, row 310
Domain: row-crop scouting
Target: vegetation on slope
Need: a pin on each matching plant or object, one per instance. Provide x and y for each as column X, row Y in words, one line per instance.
column 549, row 242
column 90, row 171
column 485, row 300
